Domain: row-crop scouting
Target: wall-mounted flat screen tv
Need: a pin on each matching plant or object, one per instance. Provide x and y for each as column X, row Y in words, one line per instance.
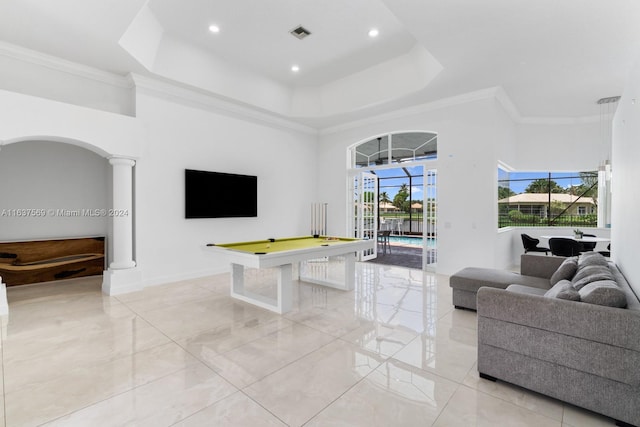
column 220, row 195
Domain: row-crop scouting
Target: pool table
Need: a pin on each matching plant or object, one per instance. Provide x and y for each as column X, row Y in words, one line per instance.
column 282, row 254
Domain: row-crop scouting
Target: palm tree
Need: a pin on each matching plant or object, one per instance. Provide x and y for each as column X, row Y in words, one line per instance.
column 384, row 197
column 400, row 200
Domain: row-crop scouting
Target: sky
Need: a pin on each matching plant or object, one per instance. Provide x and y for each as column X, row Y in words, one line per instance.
column 392, row 186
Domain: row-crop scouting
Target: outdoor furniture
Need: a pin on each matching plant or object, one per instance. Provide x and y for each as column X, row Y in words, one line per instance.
column 399, row 223
column 383, row 239
column 531, row 244
column 386, row 224
column 561, row 246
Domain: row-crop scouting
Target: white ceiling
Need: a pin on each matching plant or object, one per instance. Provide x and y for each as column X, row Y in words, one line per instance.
column 553, row 58
column 255, row 33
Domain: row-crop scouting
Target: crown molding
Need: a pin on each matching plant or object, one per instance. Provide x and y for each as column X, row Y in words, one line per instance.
column 58, row 64
column 208, row 100
column 203, row 99
column 418, row 109
column 497, row 93
column 560, row 120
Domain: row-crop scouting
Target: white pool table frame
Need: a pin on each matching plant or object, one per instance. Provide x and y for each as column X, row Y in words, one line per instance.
column 283, row 261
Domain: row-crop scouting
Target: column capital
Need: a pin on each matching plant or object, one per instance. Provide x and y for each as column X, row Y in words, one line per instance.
column 121, row 161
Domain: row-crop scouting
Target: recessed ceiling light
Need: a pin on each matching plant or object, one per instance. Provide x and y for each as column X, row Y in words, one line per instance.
column 214, row 28
column 373, row 32
column 295, row 68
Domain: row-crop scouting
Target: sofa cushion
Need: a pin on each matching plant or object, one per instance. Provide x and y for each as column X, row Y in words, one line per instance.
column 591, row 273
column 521, row 289
column 566, row 271
column 603, row 292
column 592, row 258
column 564, row 290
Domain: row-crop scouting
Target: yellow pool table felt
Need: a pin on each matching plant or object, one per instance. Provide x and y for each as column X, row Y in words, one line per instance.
column 284, row 244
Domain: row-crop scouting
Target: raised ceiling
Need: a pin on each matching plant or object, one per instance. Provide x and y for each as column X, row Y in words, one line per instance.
column 256, row 35
column 552, row 58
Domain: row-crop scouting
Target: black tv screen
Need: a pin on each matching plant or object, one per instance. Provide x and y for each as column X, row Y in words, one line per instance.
column 220, row 195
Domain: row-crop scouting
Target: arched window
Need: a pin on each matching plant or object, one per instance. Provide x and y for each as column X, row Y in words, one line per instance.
column 395, row 148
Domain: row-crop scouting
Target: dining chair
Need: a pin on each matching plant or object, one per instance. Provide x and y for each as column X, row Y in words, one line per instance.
column 561, row 246
column 588, row 246
column 531, row 244
column 383, row 239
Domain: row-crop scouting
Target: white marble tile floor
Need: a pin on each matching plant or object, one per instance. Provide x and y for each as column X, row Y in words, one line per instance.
column 392, row 352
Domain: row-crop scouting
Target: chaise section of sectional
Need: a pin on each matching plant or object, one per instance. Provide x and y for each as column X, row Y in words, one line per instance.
column 535, row 271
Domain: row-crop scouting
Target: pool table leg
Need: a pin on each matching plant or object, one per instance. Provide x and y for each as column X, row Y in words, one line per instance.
column 320, row 277
column 350, row 271
column 237, row 279
column 283, row 302
column 285, row 288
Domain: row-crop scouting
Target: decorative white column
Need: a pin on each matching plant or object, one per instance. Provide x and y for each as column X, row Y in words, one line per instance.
column 122, row 276
column 4, row 305
column 122, row 213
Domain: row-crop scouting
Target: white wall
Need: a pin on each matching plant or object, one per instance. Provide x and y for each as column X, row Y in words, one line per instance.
column 625, row 179
column 170, row 247
column 49, row 176
column 561, row 147
column 27, row 117
column 470, row 137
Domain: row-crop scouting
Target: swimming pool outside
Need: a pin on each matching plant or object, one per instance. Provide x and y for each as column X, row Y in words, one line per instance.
column 411, row 241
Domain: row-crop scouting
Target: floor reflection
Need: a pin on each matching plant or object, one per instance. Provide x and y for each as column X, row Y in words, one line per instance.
column 391, row 352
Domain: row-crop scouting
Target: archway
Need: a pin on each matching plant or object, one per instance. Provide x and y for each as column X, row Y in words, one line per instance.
column 71, row 187
column 111, row 136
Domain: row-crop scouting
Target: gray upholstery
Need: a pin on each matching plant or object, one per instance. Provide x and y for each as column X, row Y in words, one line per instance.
column 591, row 273
column 535, row 272
column 526, row 290
column 600, row 394
column 603, row 292
column 540, row 266
column 578, row 352
column 566, row 271
column 592, row 258
column 564, row 290
column 472, row 278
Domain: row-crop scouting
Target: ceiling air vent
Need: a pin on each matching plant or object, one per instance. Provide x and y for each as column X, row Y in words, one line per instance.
column 300, row 32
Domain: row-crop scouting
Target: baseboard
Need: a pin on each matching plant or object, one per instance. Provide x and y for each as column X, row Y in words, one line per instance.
column 163, row 280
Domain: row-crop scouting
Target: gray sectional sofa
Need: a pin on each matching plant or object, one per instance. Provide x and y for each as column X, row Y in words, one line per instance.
column 576, row 339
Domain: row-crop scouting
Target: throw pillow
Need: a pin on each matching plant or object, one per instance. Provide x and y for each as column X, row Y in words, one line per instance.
column 592, row 273
column 566, row 271
column 592, row 258
column 603, row 292
column 563, row 290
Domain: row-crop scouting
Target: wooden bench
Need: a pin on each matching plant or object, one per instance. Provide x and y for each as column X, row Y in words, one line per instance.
column 35, row 261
